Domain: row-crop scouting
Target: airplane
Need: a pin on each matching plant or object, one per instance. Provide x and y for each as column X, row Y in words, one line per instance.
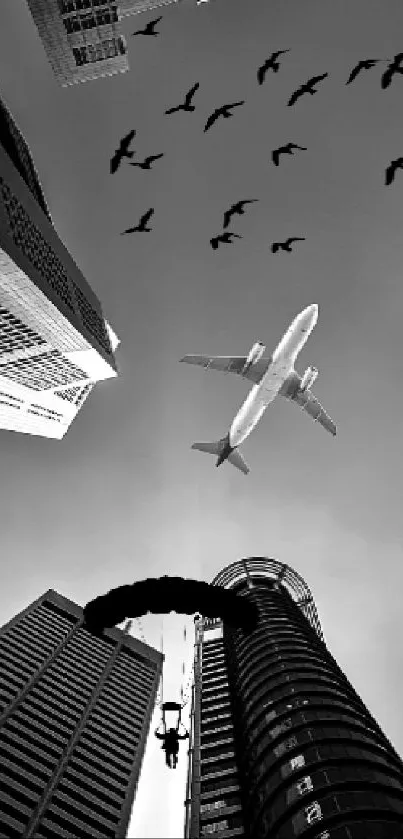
column 271, row 376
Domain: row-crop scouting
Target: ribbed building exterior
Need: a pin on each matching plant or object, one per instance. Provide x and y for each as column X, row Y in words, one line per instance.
column 75, row 711
column 82, row 39
column 281, row 744
column 55, row 343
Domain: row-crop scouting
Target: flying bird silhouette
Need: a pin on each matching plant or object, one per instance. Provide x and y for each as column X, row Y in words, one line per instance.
column 149, row 29
column 146, row 164
column 224, row 111
column 141, row 226
column 365, row 64
column 306, row 88
column 186, row 106
column 287, row 149
column 269, row 64
column 391, row 170
column 237, row 208
column 286, row 246
column 224, row 237
column 393, row 67
column 122, row 151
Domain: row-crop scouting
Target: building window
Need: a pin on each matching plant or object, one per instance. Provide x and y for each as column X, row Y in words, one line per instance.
column 66, row 6
column 88, row 21
column 313, row 813
column 105, row 16
column 214, row 827
column 297, row 762
column 283, row 747
column 72, row 24
column 305, row 785
column 212, row 805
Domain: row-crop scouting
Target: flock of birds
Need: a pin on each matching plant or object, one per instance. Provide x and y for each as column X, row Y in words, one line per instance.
column 225, row 111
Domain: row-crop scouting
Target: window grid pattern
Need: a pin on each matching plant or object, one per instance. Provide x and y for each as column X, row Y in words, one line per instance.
column 92, row 320
column 92, row 790
column 91, row 19
column 76, row 395
column 43, row 371
column 15, row 335
column 91, row 53
column 14, row 144
column 35, row 248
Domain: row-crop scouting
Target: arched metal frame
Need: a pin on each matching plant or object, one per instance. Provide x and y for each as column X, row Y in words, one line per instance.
column 282, row 574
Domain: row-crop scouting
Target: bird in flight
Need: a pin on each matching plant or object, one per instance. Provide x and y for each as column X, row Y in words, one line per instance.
column 286, row 246
column 393, row 67
column 141, row 226
column 365, row 64
column 149, row 29
column 186, row 106
column 237, row 208
column 146, row 164
column 269, row 64
column 287, row 149
column 224, row 111
column 224, row 237
column 306, row 88
column 391, row 170
column 122, row 151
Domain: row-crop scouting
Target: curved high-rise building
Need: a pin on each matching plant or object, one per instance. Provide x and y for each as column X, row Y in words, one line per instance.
column 281, row 744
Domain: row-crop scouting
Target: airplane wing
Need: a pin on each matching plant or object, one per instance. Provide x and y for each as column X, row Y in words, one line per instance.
column 231, row 364
column 307, row 401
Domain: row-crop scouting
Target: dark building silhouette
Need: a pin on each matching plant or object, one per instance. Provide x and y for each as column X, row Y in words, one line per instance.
column 281, row 744
column 75, row 711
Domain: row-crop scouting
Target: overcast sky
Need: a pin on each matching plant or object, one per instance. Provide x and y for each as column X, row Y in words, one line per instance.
column 123, row 496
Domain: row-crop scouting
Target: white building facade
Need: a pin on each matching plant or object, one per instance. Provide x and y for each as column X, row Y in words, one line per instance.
column 54, row 341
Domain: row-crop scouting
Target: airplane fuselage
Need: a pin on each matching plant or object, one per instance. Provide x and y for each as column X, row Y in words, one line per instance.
column 281, row 365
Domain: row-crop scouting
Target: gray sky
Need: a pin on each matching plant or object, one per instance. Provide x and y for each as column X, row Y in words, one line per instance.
column 123, row 496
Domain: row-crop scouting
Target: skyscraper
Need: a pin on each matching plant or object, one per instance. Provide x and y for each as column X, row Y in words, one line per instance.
column 75, row 711
column 82, row 39
column 281, row 744
column 54, row 340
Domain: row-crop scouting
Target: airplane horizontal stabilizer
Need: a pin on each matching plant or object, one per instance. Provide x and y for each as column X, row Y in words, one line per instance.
column 211, row 448
column 237, row 460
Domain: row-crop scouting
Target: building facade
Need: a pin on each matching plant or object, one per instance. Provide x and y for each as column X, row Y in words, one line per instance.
column 82, row 38
column 75, row 711
column 281, row 744
column 54, row 341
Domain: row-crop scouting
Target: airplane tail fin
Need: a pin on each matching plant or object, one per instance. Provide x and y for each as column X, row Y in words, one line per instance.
column 217, row 447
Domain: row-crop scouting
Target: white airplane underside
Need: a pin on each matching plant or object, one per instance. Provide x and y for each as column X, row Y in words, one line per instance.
column 270, row 376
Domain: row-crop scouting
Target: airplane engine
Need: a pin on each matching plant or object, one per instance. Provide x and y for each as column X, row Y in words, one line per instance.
column 254, row 355
column 310, row 375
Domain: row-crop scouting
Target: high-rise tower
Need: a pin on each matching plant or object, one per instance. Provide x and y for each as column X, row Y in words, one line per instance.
column 82, row 40
column 281, row 744
column 75, row 711
column 54, row 341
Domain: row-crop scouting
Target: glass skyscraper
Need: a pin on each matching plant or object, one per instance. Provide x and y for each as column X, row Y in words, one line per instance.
column 75, row 711
column 281, row 744
column 55, row 343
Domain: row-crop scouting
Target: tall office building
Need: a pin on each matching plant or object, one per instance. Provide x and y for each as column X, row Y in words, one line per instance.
column 281, row 744
column 54, row 340
column 82, row 38
column 75, row 711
